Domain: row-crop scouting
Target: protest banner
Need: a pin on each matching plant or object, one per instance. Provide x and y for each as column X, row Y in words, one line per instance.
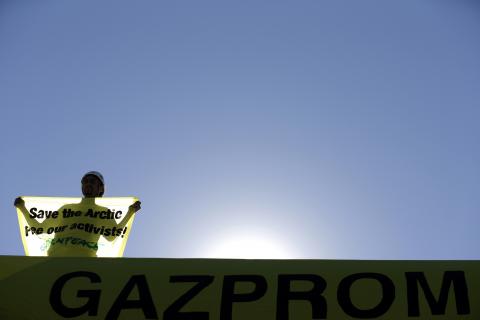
column 217, row 289
column 87, row 227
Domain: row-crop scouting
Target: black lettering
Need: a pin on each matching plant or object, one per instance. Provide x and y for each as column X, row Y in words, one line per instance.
column 144, row 302
column 33, row 213
column 314, row 296
column 229, row 296
column 345, row 301
column 40, row 214
column 91, row 306
column 173, row 311
column 438, row 307
column 89, row 213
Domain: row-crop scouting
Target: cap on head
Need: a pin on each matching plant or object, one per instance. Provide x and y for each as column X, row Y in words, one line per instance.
column 96, row 174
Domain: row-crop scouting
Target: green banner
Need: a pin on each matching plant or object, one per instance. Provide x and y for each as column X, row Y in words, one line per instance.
column 79, row 227
column 201, row 289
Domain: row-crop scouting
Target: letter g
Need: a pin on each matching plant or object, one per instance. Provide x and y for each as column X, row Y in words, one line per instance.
column 91, row 306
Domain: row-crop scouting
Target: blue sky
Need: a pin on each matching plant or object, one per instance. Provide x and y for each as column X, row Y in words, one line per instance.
column 312, row 129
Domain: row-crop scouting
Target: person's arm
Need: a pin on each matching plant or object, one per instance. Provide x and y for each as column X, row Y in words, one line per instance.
column 131, row 211
column 20, row 204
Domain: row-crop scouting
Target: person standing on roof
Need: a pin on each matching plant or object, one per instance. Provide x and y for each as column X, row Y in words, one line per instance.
column 84, row 244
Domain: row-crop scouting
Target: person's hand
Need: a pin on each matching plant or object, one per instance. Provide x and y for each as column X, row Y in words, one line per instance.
column 136, row 206
column 19, row 202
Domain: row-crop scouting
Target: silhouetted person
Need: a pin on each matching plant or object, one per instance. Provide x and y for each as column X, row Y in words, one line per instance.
column 81, row 233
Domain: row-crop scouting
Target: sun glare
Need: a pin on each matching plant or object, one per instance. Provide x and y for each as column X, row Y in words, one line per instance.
column 247, row 247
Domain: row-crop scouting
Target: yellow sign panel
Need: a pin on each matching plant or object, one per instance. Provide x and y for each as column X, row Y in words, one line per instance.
column 201, row 289
column 82, row 227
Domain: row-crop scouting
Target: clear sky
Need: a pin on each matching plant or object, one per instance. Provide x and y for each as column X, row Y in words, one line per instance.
column 291, row 129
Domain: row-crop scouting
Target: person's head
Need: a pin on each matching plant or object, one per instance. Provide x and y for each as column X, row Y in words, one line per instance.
column 93, row 184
